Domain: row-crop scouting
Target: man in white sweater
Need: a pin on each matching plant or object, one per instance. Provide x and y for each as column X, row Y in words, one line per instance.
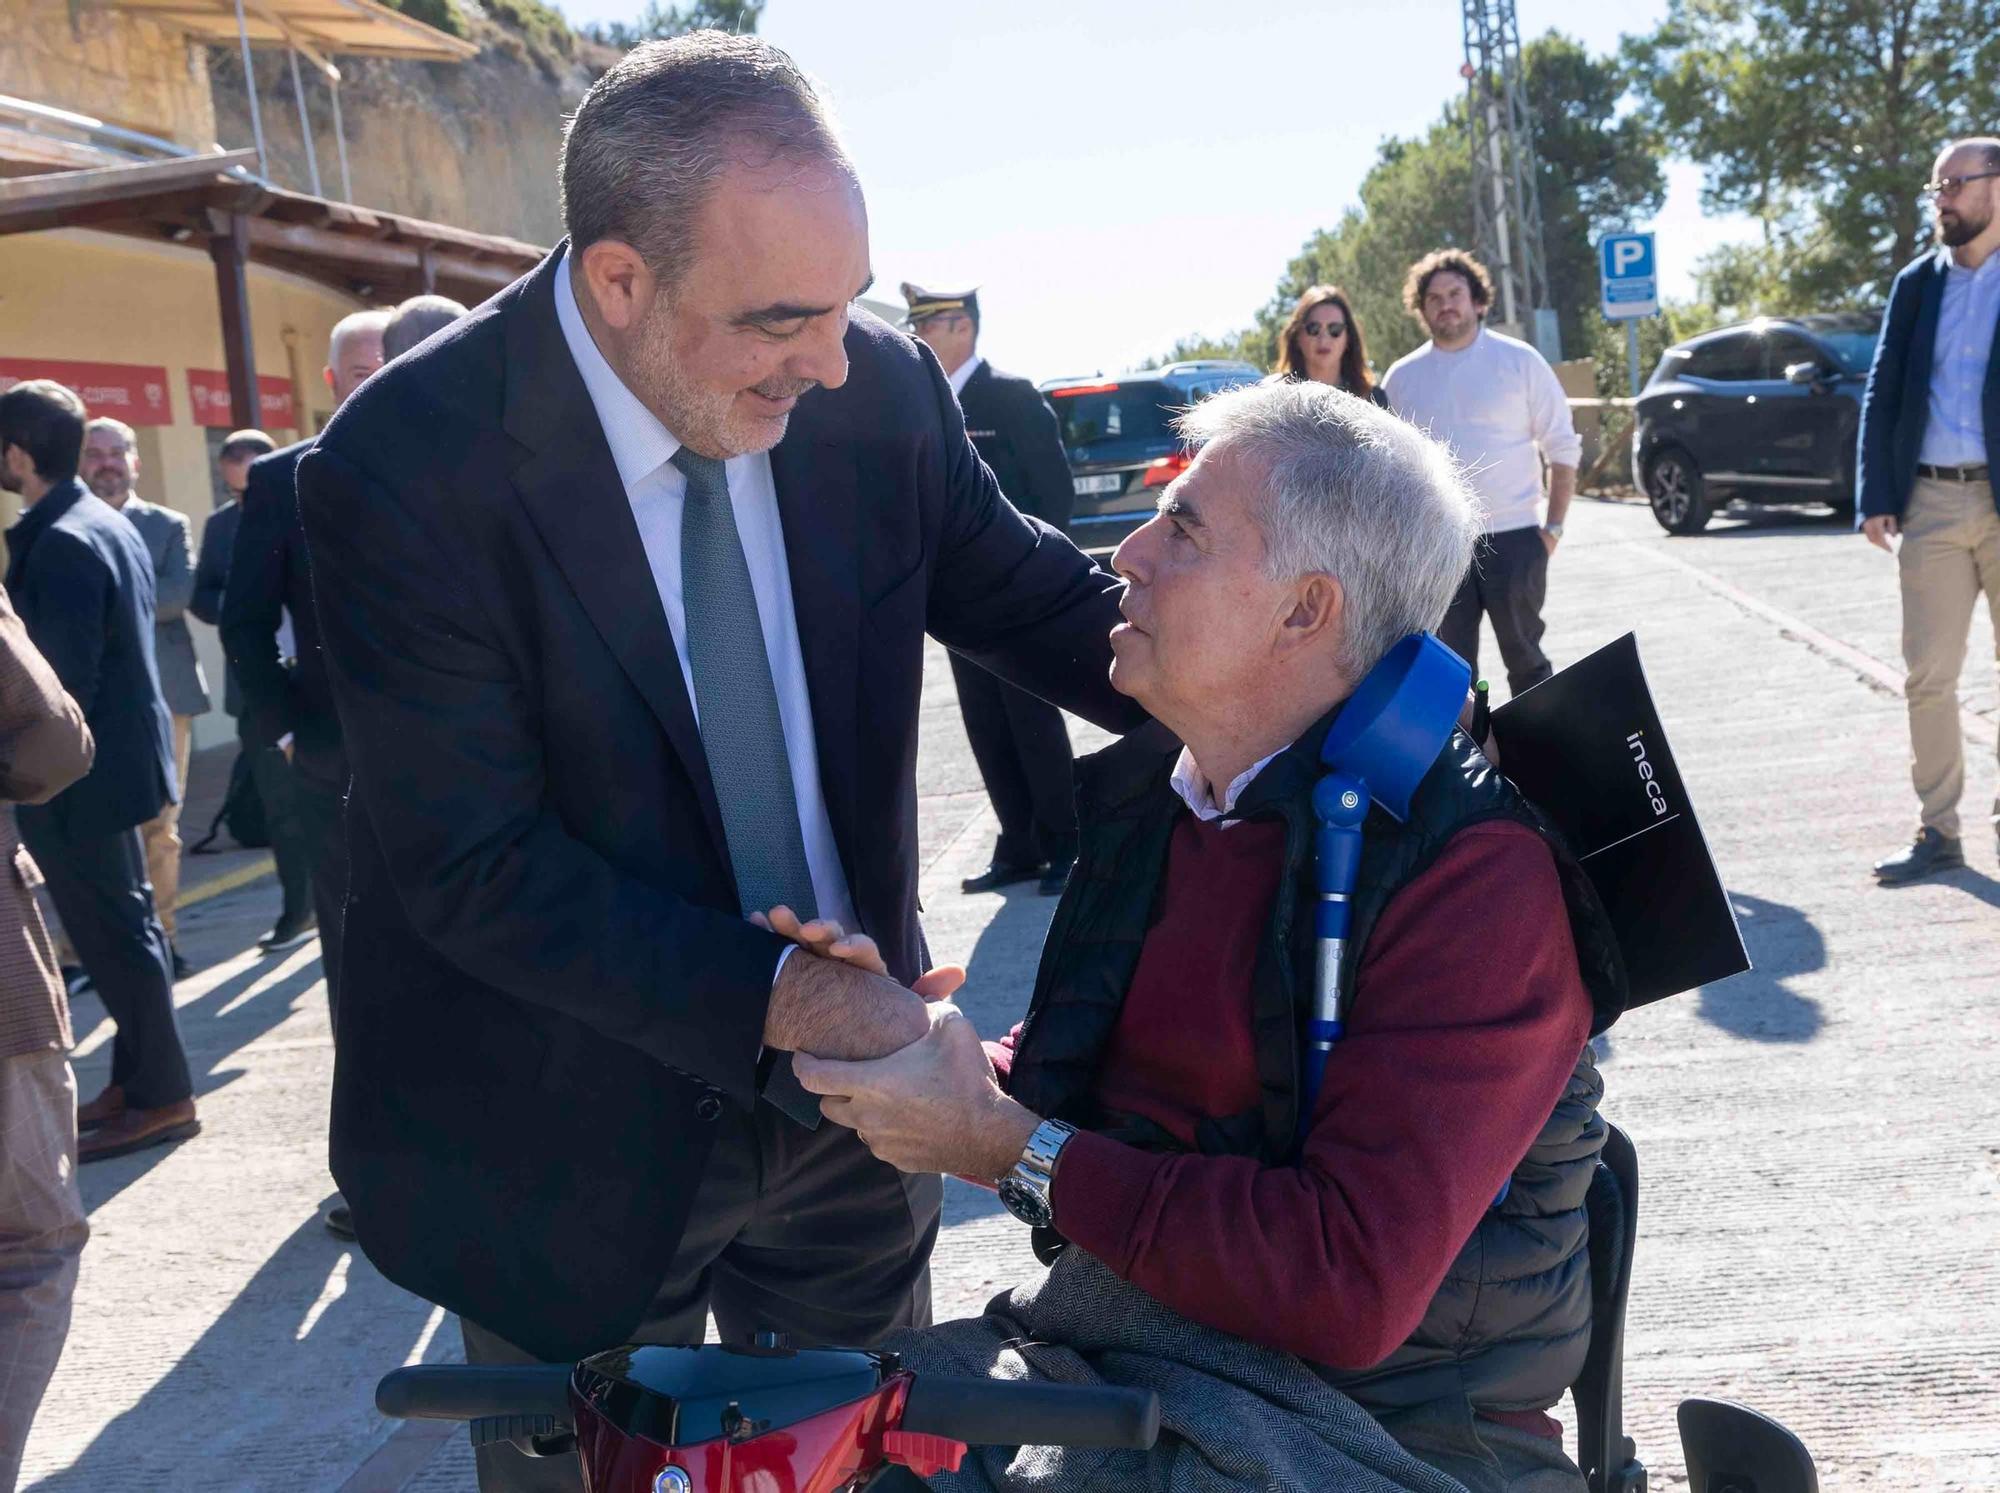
column 1497, row 404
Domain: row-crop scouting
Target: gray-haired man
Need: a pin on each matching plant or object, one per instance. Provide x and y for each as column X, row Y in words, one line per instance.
column 1149, row 1109
column 111, row 470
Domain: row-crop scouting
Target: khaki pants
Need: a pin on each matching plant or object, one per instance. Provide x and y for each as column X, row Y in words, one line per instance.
column 1950, row 554
column 163, row 833
column 42, row 1231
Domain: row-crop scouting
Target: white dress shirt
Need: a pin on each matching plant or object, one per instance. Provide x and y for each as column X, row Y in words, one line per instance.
column 1195, row 792
column 643, row 449
column 962, row 374
column 1968, row 327
column 1499, row 407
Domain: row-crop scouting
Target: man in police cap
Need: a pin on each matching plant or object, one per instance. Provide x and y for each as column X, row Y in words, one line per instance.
column 1018, row 740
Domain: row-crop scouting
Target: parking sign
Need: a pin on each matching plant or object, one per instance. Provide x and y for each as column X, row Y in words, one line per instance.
column 1631, row 282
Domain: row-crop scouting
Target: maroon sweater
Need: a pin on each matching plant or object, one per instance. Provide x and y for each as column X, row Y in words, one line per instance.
column 1467, row 1017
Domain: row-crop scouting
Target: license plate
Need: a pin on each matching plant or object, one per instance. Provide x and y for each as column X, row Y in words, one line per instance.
column 1109, row 482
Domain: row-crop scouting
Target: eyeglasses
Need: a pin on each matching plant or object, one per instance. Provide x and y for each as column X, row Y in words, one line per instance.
column 1331, row 328
column 1948, row 186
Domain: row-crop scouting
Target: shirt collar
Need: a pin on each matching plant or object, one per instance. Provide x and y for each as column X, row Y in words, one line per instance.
column 964, row 374
column 640, row 444
column 1195, row 792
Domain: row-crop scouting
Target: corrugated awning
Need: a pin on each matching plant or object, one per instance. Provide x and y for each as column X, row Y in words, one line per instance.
column 360, row 28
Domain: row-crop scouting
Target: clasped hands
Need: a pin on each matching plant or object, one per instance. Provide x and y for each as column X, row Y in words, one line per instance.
column 932, row 1104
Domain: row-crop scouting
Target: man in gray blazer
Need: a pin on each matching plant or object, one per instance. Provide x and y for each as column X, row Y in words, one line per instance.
column 111, row 469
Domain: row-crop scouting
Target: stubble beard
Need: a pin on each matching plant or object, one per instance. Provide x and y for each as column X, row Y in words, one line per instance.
column 110, row 487
column 1961, row 230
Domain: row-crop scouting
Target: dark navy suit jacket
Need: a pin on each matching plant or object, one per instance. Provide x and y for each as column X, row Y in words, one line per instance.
column 1897, row 403
column 82, row 580
column 550, row 994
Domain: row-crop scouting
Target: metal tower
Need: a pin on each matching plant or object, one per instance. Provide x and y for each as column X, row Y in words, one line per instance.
column 1506, row 211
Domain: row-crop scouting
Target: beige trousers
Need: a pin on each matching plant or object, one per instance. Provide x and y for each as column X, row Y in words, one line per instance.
column 1949, row 555
column 163, row 833
column 42, row 1232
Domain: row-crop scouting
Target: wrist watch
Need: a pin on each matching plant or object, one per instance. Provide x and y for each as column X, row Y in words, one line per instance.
column 1024, row 1191
column 1554, row 531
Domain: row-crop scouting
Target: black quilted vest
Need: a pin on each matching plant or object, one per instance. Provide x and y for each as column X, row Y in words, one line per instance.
column 1510, row 1324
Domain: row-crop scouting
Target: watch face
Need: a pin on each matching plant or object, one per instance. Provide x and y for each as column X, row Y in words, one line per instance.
column 1025, row 1203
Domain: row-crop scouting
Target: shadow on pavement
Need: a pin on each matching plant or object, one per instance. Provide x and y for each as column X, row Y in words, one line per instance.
column 1000, row 973
column 1758, row 1005
column 1976, row 884
column 294, row 1357
column 1764, row 523
column 244, row 1005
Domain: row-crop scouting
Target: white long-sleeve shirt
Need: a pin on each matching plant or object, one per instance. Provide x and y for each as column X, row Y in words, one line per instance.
column 1498, row 405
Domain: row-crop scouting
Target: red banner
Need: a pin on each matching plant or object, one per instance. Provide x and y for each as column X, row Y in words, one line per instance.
column 208, row 390
column 124, row 391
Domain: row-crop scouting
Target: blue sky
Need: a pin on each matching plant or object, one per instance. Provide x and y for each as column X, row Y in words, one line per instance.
column 1115, row 173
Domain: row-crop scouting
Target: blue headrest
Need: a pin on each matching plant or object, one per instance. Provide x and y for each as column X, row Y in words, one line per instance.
column 1393, row 727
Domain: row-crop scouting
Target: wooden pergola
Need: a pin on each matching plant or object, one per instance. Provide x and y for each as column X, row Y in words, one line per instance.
column 216, row 202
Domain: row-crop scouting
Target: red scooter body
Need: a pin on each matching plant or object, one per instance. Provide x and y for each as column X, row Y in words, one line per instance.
column 732, row 1420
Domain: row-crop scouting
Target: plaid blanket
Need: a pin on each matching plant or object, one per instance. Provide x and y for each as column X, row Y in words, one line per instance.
column 1234, row 1417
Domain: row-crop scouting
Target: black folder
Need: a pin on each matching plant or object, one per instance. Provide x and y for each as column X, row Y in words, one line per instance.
column 1588, row 748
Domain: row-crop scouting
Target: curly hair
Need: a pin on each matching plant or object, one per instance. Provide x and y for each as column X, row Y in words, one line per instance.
column 1354, row 375
column 1446, row 261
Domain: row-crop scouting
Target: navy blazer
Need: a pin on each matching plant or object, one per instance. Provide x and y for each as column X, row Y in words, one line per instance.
column 550, row 993
column 1897, row 403
column 211, row 580
column 82, row 580
column 270, row 575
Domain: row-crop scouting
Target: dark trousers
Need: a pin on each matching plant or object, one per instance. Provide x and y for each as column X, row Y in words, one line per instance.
column 1508, row 582
column 320, row 805
column 274, row 779
column 1022, row 748
column 98, row 884
column 800, row 1232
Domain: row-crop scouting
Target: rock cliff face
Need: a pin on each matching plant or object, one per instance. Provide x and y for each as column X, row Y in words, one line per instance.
column 471, row 144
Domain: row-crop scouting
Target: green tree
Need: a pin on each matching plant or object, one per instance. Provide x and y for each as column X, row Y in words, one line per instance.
column 657, row 21
column 1598, row 170
column 1820, row 117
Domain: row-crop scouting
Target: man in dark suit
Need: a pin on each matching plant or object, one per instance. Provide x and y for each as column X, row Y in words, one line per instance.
column 288, row 714
column 268, row 774
column 1018, row 740
column 83, row 581
column 1929, row 422
column 623, row 583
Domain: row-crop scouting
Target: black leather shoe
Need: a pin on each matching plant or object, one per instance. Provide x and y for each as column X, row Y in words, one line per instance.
column 339, row 1221
column 289, row 934
column 182, row 969
column 1928, row 853
column 1056, row 877
column 998, row 875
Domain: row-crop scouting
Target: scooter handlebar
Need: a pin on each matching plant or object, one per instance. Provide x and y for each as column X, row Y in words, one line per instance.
column 475, row 1392
column 1002, row 1412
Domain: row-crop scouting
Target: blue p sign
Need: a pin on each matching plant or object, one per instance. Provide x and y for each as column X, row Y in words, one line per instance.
column 1630, row 281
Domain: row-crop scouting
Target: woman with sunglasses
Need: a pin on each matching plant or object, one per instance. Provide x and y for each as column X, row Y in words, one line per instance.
column 1322, row 342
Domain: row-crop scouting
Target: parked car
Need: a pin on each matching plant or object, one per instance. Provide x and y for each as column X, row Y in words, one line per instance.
column 1765, row 412
column 1118, row 433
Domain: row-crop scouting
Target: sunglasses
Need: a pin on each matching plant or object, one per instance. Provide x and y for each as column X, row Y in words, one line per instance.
column 1948, row 186
column 1331, row 328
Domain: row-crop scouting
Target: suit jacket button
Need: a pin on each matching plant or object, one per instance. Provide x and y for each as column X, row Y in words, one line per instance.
column 708, row 1107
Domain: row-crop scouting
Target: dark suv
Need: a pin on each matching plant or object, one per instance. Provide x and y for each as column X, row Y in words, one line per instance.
column 1119, row 435
column 1766, row 412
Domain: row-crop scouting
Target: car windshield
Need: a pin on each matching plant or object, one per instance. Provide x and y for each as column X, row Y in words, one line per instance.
column 1855, row 349
column 1100, row 414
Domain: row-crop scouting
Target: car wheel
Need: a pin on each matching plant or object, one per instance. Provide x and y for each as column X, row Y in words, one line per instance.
column 1678, row 495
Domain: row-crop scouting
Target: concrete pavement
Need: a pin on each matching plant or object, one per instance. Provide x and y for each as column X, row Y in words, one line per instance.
column 1819, row 1145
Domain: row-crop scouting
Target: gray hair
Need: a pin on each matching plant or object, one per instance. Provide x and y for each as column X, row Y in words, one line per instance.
column 416, row 319
column 118, row 428
column 652, row 136
column 1352, row 492
column 354, row 324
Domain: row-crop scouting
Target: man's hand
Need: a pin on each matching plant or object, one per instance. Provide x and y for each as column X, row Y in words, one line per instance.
column 1880, row 529
column 1549, row 541
column 825, row 937
column 932, row 1107
column 826, row 1006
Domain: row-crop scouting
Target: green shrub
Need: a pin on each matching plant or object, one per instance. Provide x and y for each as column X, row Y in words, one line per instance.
column 442, row 14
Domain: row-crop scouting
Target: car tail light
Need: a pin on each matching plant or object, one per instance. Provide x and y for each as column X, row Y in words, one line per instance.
column 1162, row 471
column 1076, row 389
